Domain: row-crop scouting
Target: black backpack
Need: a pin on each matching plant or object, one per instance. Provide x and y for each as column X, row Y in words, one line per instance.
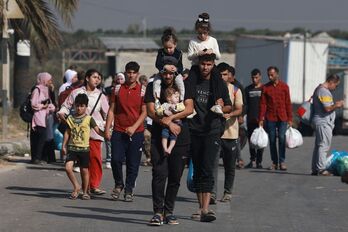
column 26, row 112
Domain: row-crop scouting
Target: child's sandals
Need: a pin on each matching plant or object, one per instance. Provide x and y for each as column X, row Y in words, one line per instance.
column 74, row 195
column 85, row 196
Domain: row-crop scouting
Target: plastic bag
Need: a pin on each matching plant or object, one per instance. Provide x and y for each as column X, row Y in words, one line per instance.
column 305, row 112
column 189, row 180
column 342, row 165
column 337, row 162
column 293, row 138
column 259, row 138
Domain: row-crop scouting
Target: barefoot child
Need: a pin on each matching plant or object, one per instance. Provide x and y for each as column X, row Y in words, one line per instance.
column 76, row 145
column 170, row 107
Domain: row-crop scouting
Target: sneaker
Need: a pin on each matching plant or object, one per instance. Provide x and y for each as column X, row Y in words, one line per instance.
column 252, row 164
column 108, row 165
column 283, row 167
column 128, row 197
column 171, row 220
column 97, row 191
column 227, row 197
column 208, row 217
column 115, row 194
column 76, row 169
column 156, row 220
column 259, row 166
column 324, row 173
column 273, row 167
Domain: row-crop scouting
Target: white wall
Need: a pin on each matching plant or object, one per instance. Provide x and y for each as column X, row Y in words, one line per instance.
column 316, row 68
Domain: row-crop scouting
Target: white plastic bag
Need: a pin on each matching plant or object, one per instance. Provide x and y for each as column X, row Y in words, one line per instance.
column 259, row 138
column 293, row 138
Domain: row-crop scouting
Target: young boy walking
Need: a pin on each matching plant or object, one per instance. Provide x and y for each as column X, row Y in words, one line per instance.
column 76, row 145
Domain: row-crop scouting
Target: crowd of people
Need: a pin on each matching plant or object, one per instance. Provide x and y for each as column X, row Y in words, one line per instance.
column 190, row 114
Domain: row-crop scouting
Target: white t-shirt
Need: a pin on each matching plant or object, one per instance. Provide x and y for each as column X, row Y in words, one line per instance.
column 197, row 45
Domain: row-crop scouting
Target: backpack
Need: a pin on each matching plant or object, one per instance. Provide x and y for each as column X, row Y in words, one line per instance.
column 26, row 112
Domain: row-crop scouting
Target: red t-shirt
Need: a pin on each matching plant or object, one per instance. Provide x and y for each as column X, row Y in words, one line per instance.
column 128, row 104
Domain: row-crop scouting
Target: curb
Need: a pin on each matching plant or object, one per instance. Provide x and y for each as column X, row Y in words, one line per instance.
column 20, row 147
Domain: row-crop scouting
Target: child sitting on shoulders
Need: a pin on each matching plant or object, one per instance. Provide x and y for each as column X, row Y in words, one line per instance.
column 168, row 62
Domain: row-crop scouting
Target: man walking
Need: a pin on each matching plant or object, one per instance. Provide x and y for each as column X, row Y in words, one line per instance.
column 229, row 140
column 324, row 122
column 206, row 128
column 229, row 72
column 276, row 110
column 253, row 97
column 127, row 111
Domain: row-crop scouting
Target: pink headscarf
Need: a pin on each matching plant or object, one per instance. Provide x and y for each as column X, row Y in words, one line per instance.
column 43, row 78
column 42, row 81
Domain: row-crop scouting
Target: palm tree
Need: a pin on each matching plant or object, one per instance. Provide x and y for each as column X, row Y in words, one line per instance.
column 40, row 26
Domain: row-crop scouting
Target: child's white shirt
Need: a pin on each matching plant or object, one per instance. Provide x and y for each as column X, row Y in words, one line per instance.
column 197, row 45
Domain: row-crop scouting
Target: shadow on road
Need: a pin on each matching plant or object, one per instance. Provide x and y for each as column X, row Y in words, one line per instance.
column 32, row 189
column 183, row 199
column 112, row 211
column 101, row 217
column 39, row 192
column 280, row 172
column 54, row 168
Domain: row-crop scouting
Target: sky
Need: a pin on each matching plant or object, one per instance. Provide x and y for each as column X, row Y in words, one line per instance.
column 225, row 14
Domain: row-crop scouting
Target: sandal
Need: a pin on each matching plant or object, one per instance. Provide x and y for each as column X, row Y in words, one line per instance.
column 171, row 220
column 116, row 192
column 208, row 217
column 85, row 196
column 74, row 195
column 196, row 216
column 156, row 220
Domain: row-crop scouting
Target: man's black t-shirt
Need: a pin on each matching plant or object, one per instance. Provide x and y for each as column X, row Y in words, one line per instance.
column 156, row 130
column 206, row 122
column 253, row 98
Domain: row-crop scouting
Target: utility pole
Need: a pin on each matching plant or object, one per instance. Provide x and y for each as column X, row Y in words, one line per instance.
column 4, row 93
column 304, row 67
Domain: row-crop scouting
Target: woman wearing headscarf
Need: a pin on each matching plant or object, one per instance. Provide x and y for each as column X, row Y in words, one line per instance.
column 42, row 106
column 98, row 107
column 70, row 76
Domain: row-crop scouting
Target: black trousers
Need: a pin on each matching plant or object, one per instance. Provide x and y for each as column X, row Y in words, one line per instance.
column 166, row 169
column 205, row 151
column 255, row 154
column 48, row 151
column 229, row 153
column 37, row 142
column 229, row 156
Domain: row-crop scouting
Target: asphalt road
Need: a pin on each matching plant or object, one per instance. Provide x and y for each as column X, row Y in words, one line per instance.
column 34, row 198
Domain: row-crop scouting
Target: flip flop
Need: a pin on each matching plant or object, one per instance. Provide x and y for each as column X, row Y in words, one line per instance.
column 74, row 195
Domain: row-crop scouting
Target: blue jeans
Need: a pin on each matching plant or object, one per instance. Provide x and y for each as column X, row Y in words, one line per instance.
column 124, row 148
column 107, row 150
column 274, row 130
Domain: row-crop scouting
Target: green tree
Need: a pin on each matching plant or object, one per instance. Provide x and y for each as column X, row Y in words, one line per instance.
column 40, row 26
